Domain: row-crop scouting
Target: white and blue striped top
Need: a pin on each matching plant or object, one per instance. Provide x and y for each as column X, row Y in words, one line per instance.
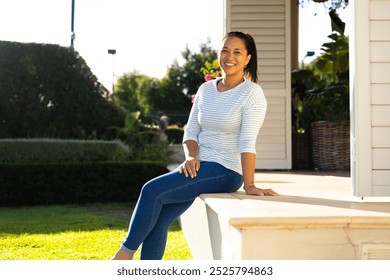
column 226, row 124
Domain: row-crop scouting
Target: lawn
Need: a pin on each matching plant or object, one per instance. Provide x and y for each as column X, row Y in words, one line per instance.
column 73, row 232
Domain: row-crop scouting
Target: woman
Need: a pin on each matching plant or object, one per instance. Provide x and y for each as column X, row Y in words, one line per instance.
column 219, row 145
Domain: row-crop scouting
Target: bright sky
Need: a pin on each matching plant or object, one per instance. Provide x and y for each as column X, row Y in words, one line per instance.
column 315, row 26
column 148, row 35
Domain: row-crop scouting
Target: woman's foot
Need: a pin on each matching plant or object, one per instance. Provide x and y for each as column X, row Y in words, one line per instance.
column 122, row 255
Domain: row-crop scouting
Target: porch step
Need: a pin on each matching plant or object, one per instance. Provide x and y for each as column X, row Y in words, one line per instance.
column 315, row 217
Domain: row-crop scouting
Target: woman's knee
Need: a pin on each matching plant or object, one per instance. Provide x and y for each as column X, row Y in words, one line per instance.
column 148, row 189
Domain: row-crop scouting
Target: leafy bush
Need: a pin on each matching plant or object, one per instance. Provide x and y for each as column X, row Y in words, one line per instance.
column 146, row 141
column 321, row 92
column 53, row 171
column 174, row 134
column 49, row 91
column 41, row 151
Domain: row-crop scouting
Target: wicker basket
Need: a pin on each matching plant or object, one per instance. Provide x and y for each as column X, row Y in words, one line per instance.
column 301, row 151
column 331, row 145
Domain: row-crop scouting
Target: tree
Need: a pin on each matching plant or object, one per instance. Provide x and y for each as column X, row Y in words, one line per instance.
column 189, row 76
column 329, row 4
column 49, row 91
column 171, row 94
column 138, row 92
column 133, row 90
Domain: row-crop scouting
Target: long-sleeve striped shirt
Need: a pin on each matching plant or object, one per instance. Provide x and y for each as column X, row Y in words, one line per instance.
column 226, row 124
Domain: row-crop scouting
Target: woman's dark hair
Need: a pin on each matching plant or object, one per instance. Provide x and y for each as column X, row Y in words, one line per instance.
column 251, row 69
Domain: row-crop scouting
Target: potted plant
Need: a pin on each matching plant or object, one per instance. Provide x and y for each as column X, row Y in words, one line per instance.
column 321, row 104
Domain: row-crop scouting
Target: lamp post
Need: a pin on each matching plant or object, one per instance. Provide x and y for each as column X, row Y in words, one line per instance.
column 112, row 52
column 73, row 35
column 309, row 53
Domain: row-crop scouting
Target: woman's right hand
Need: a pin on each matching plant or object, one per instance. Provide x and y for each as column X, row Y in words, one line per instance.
column 190, row 167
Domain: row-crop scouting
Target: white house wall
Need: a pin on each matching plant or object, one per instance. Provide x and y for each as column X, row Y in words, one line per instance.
column 370, row 49
column 268, row 21
column 380, row 95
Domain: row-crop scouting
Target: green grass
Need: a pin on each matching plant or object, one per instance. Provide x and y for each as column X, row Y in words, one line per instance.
column 73, row 232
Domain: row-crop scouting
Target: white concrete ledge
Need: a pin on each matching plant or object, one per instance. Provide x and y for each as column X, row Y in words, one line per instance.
column 313, row 222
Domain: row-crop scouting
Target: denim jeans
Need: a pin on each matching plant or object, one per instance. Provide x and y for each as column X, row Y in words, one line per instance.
column 165, row 198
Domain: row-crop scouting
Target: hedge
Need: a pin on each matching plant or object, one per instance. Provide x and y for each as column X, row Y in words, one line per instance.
column 175, row 135
column 39, row 184
column 41, row 151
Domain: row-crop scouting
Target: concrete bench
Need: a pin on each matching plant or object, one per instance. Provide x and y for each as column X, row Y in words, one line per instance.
column 314, row 218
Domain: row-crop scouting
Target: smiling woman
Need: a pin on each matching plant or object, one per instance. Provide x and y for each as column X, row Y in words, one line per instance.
column 219, row 146
column 237, row 56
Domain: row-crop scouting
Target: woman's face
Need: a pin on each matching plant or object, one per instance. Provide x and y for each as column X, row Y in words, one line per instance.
column 233, row 56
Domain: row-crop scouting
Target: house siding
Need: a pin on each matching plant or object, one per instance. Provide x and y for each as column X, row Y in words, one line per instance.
column 268, row 21
column 372, row 97
column 380, row 95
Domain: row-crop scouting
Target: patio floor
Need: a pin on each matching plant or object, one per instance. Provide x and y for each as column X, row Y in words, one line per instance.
column 315, row 216
column 335, row 186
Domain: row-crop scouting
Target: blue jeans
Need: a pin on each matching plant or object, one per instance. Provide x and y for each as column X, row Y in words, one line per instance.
column 165, row 198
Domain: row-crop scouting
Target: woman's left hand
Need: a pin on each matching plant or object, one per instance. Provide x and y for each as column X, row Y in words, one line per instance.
column 190, row 167
column 253, row 190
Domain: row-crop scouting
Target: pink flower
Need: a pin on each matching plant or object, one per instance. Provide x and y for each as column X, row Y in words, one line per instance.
column 208, row 77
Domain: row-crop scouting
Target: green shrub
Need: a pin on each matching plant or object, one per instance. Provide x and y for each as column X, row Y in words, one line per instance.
column 146, row 141
column 41, row 151
column 38, row 184
column 175, row 134
column 48, row 91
